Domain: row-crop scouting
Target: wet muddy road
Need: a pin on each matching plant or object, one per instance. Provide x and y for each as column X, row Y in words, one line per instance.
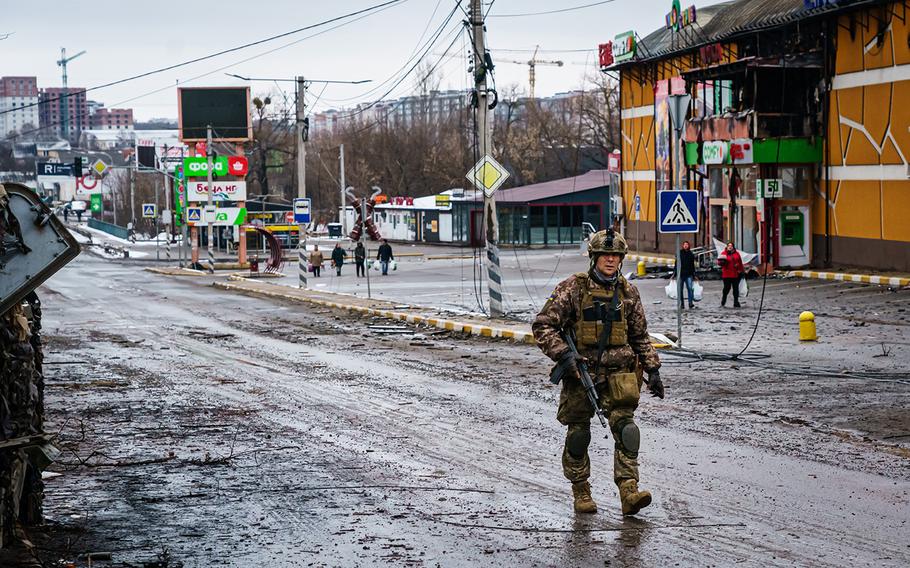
column 222, row 430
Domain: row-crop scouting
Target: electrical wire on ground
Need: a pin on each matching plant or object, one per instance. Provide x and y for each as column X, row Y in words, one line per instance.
column 762, row 361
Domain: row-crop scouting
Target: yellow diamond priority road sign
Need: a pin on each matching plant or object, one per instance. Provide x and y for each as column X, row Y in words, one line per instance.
column 488, row 175
column 99, row 167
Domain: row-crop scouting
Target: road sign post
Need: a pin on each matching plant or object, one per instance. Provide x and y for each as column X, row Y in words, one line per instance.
column 488, row 175
column 678, row 213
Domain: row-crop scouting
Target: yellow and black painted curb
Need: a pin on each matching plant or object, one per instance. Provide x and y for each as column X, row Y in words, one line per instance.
column 659, row 341
column 662, row 260
column 848, row 277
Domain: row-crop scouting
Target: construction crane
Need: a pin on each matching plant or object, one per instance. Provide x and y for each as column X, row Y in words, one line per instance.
column 533, row 63
column 64, row 97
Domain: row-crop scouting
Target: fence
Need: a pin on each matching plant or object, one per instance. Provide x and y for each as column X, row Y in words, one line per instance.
column 108, row 228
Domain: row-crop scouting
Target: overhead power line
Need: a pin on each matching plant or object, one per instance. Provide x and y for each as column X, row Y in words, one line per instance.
column 561, row 10
column 428, row 47
column 212, row 72
column 217, row 54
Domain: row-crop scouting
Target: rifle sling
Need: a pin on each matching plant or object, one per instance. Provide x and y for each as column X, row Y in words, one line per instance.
column 607, row 330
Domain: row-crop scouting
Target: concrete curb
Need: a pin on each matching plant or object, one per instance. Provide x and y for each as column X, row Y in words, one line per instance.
column 848, row 277
column 441, row 323
column 177, row 271
column 658, row 340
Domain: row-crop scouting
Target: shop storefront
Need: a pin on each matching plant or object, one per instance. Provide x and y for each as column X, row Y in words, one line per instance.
column 735, row 207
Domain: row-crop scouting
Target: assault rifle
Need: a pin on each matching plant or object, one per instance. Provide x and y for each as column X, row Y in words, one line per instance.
column 560, row 369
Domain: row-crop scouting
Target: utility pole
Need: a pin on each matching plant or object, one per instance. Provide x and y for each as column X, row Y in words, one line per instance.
column 301, row 179
column 64, row 97
column 484, row 137
column 342, row 218
column 210, row 155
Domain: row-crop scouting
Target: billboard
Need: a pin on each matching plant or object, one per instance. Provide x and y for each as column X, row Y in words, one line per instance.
column 197, row 191
column 225, row 109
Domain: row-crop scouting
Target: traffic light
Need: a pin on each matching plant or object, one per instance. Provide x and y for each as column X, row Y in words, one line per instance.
column 77, row 166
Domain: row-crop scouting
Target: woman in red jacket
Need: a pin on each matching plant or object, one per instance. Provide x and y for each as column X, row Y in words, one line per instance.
column 731, row 270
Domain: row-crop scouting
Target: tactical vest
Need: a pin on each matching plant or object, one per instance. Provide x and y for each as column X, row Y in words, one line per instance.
column 595, row 311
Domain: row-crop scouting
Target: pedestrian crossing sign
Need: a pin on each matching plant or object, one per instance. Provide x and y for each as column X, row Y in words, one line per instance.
column 149, row 211
column 678, row 211
column 194, row 214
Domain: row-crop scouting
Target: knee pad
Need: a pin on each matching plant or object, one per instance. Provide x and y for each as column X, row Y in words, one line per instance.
column 577, row 442
column 628, row 438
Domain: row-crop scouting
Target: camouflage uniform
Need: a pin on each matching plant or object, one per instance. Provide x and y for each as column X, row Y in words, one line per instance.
column 628, row 350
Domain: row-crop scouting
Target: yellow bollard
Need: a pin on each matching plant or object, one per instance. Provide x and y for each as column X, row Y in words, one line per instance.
column 642, row 271
column 807, row 327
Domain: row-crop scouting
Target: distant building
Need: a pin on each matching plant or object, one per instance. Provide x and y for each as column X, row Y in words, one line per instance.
column 50, row 105
column 405, row 112
column 111, row 119
column 18, row 97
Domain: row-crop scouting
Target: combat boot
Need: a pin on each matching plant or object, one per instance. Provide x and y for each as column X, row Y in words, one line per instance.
column 632, row 499
column 583, row 501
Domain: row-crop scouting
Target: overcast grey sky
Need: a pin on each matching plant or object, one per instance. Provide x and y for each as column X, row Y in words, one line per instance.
column 127, row 38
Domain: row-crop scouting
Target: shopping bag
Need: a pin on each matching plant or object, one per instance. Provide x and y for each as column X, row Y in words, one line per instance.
column 671, row 290
column 743, row 288
column 697, row 291
column 393, row 265
column 309, row 267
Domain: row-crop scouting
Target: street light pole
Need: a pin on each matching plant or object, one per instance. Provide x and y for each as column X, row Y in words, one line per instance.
column 342, row 217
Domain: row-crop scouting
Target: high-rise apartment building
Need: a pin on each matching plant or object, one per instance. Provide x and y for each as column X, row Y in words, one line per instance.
column 18, row 97
column 51, row 101
column 111, row 119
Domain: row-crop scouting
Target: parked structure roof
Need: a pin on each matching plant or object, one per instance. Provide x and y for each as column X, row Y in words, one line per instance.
column 535, row 192
column 726, row 20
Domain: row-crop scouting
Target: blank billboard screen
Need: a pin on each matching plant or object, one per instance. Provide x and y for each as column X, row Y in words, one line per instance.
column 226, row 109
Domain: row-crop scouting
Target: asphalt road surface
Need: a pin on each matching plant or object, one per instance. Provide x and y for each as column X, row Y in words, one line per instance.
column 201, row 428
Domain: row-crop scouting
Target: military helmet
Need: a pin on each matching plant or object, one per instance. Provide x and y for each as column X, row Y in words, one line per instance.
column 607, row 241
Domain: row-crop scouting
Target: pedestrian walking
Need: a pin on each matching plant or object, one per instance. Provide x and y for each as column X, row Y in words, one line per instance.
column 360, row 258
column 605, row 314
column 731, row 270
column 66, row 212
column 686, row 272
column 78, row 215
column 338, row 256
column 385, row 256
column 316, row 259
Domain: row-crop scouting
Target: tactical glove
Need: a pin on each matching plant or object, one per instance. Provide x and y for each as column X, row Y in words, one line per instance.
column 571, row 361
column 655, row 385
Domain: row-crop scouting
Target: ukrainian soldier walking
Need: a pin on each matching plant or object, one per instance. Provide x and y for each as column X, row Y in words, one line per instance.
column 602, row 313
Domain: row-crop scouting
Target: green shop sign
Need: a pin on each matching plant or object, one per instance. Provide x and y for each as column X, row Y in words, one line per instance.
column 768, row 151
column 624, row 47
column 199, row 166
